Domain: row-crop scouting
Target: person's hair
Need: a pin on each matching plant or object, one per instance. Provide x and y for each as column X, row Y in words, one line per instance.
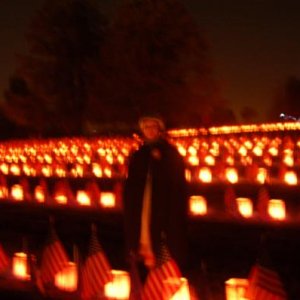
column 159, row 121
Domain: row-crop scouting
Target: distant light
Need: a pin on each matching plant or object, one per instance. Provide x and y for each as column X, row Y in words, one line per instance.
column 197, row 205
column 276, row 209
column 39, row 194
column 4, row 168
column 188, row 175
column 107, row 199
column 236, row 288
column 83, row 198
column 61, row 198
column 261, row 175
column 17, row 192
column 3, row 192
column 231, row 175
column 47, row 171
column 108, row 172
column 15, row 170
column 193, row 160
column 183, row 291
column 97, row 170
column 209, row 160
column 290, row 177
column 119, row 287
column 20, row 266
column 288, row 160
column 66, row 280
column 205, row 174
column 245, row 207
column 192, row 151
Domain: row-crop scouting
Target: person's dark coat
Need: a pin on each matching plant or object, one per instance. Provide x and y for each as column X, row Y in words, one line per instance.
column 168, row 201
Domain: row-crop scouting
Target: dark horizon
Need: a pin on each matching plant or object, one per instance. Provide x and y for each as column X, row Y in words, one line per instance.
column 254, row 45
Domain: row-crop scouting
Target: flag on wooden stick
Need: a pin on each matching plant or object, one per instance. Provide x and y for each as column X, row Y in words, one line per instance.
column 164, row 279
column 264, row 281
column 4, row 260
column 96, row 270
column 54, row 257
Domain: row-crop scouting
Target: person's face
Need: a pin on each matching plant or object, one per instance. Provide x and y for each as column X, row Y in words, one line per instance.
column 151, row 130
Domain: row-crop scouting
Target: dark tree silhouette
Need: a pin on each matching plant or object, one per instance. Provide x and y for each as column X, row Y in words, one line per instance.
column 249, row 114
column 50, row 88
column 24, row 108
column 156, row 61
column 287, row 100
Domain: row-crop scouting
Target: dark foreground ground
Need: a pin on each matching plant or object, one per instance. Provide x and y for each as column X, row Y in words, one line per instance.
column 220, row 247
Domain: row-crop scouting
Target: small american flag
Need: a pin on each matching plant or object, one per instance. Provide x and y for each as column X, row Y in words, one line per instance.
column 263, row 199
column 264, row 282
column 54, row 258
column 164, row 279
column 96, row 270
column 4, row 260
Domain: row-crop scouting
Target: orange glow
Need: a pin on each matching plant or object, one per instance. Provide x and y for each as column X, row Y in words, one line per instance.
column 192, row 151
column 97, row 170
column 83, row 198
column 47, row 171
column 4, row 168
column 188, row 175
column 60, row 172
column 108, row 172
column 67, row 279
column 17, row 192
column 183, row 291
column 26, row 170
column 273, row 151
column 205, row 174
column 290, row 177
column 119, row 287
column 39, row 194
column 231, row 175
column 78, row 170
column 3, row 192
column 181, row 150
column 87, row 159
column 267, row 160
column 110, row 159
column 276, row 209
column 261, row 175
column 243, row 151
column 246, row 160
column 61, row 198
column 197, row 205
column 193, row 160
column 20, row 266
column 288, row 160
column 245, row 207
column 48, row 159
column 107, row 199
column 257, row 150
column 121, row 159
column 230, row 160
column 248, row 144
column 209, row 160
column 236, row 288
column 15, row 170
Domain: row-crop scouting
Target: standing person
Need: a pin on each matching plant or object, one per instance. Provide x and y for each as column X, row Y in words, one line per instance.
column 155, row 199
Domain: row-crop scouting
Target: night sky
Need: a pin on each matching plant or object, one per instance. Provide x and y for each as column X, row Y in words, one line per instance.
column 255, row 44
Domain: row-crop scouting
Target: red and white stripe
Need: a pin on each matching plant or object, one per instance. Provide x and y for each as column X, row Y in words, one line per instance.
column 265, row 284
column 155, row 286
column 96, row 270
column 4, row 260
column 54, row 259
